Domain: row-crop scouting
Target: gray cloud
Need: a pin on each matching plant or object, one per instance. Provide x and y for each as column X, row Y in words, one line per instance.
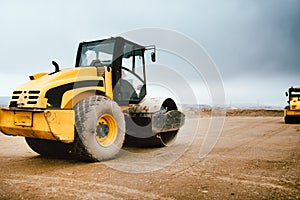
column 254, row 38
column 259, row 37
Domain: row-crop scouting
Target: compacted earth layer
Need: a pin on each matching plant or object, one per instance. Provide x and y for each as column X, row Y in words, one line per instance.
column 254, row 157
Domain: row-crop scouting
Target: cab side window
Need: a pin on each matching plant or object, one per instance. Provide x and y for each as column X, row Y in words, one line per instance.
column 131, row 81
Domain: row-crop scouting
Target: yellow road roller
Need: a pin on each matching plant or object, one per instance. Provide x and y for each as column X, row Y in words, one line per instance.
column 292, row 111
column 91, row 111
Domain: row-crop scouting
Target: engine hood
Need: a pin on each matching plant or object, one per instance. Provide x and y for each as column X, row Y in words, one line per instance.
column 47, row 87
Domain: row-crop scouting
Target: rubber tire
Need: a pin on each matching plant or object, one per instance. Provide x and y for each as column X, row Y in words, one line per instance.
column 49, row 148
column 87, row 113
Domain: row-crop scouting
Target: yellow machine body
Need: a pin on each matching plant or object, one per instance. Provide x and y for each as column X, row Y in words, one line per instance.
column 292, row 111
column 43, row 124
column 35, row 115
column 294, row 107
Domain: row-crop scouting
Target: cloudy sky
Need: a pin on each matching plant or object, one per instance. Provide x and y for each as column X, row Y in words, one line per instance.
column 255, row 44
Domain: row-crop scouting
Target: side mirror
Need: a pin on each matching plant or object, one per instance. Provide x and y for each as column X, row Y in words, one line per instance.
column 286, row 94
column 153, row 57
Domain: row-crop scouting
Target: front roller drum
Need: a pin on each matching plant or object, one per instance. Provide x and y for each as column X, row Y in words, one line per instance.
column 157, row 140
column 292, row 119
column 157, row 130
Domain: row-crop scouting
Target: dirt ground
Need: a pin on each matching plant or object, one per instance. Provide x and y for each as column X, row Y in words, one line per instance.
column 256, row 157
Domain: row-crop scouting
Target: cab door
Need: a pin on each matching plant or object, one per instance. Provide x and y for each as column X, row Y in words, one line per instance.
column 131, row 87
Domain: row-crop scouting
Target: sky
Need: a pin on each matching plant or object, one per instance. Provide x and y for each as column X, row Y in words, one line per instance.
column 255, row 44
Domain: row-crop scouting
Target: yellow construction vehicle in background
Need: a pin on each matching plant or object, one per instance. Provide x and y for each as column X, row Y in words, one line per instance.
column 90, row 111
column 292, row 111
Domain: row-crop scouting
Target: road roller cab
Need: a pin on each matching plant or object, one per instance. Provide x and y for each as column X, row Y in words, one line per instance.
column 292, row 111
column 91, row 111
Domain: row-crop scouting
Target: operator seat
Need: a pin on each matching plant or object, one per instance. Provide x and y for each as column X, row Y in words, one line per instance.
column 125, row 91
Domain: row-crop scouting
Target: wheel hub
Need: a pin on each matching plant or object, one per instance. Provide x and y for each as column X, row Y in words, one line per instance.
column 102, row 130
column 106, row 130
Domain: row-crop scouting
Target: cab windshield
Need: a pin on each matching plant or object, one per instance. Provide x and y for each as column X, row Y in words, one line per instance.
column 98, row 53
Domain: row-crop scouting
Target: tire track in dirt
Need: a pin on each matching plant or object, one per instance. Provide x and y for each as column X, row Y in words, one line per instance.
column 250, row 142
column 255, row 182
column 236, row 129
column 67, row 188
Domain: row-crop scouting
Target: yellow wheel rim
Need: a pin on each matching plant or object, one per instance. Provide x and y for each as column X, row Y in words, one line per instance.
column 107, row 130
